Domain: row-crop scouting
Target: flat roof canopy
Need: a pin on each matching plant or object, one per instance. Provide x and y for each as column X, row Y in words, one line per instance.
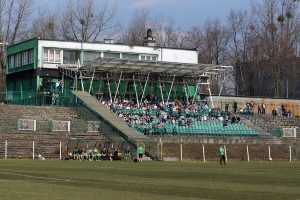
column 131, row 66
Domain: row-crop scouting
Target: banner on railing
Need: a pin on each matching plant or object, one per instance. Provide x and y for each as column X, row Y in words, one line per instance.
column 61, row 125
column 288, row 132
column 27, row 124
column 93, row 126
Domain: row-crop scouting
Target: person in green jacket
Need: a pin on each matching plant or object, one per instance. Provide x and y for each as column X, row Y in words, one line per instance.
column 222, row 154
column 141, row 152
column 226, row 106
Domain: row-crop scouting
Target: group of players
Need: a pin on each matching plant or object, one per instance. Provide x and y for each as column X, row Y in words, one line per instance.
column 105, row 154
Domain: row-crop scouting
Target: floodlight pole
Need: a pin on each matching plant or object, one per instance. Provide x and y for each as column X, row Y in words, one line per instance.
column 136, row 95
column 118, row 85
column 171, row 89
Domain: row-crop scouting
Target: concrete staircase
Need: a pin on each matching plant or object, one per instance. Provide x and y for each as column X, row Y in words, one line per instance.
column 20, row 143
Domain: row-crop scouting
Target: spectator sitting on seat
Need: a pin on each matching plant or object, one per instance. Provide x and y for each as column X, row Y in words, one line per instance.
column 238, row 119
column 241, row 111
column 75, row 154
column 80, row 154
column 180, row 123
column 96, row 155
column 289, row 113
column 221, row 118
column 224, row 123
column 233, row 119
column 109, row 154
column 90, row 154
column 274, row 112
column 189, row 122
column 104, row 154
column 116, row 151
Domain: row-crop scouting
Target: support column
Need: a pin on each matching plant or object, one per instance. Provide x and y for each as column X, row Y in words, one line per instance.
column 118, row 86
column 108, row 85
column 171, row 89
column 162, row 97
column 63, row 82
column 145, row 87
column 136, row 95
column 211, row 99
column 91, row 82
column 185, row 86
column 196, row 89
column 82, row 88
column 221, row 90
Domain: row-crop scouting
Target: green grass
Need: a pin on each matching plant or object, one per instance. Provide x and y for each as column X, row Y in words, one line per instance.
column 55, row 179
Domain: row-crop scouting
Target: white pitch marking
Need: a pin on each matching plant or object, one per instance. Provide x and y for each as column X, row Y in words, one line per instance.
column 57, row 179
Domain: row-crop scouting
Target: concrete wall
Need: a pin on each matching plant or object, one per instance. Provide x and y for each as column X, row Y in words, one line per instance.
column 289, row 104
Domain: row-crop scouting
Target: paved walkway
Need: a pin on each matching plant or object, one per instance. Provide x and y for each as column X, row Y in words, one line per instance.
column 112, row 118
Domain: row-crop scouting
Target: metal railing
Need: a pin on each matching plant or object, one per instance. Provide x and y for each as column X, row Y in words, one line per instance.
column 265, row 126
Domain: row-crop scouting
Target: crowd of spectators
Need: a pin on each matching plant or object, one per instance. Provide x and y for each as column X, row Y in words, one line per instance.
column 154, row 114
column 91, row 154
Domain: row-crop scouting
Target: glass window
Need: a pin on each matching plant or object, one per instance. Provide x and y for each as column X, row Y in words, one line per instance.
column 71, row 57
column 111, row 55
column 130, row 56
column 148, row 57
column 31, row 56
column 90, row 56
column 18, row 60
column 25, row 58
column 51, row 55
column 11, row 62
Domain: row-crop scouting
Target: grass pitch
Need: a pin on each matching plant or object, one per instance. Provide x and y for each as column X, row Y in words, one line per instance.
column 55, row 179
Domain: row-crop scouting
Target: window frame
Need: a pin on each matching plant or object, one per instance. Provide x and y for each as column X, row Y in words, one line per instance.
column 51, row 55
column 18, row 60
column 11, row 62
column 24, row 58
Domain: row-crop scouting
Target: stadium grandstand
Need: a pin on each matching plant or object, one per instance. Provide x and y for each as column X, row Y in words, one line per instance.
column 109, row 99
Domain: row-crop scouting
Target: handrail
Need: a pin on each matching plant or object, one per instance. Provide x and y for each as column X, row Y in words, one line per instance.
column 264, row 125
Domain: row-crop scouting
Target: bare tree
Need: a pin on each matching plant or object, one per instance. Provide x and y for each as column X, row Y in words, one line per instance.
column 86, row 21
column 163, row 28
column 15, row 16
column 277, row 29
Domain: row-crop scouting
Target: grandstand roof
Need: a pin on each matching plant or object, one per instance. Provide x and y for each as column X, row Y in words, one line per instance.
column 131, row 66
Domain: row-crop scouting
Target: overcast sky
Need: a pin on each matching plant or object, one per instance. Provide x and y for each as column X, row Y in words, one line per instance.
column 186, row 13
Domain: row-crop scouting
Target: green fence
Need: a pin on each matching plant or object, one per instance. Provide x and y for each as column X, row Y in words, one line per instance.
column 36, row 98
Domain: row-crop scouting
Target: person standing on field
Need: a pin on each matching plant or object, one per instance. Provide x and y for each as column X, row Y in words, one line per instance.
column 222, row 155
column 141, row 152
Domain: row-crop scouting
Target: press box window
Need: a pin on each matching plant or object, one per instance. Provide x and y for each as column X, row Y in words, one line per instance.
column 51, row 55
